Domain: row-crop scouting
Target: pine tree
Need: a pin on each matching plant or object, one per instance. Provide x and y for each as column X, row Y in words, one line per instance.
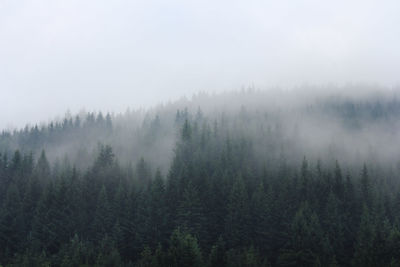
column 186, row 131
column 237, row 219
column 338, row 187
column 306, row 240
column 217, row 256
column 334, row 227
column 260, row 218
column 143, row 172
column 251, row 258
column 363, row 255
column 184, row 250
column 44, row 236
column 366, row 187
column 157, row 211
column 103, row 221
column 304, row 180
column 31, row 199
column 11, row 223
column 42, row 168
column 190, row 213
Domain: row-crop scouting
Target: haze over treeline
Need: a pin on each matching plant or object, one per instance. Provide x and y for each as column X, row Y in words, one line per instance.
column 123, row 144
column 353, row 123
column 305, row 177
column 105, row 55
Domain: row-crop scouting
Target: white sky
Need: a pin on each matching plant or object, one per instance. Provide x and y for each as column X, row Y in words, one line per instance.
column 108, row 55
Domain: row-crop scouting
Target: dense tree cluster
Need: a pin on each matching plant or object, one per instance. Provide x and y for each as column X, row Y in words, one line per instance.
column 282, row 124
column 237, row 192
column 217, row 206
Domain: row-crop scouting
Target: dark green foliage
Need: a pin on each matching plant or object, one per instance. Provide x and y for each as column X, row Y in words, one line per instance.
column 306, row 244
column 364, row 254
column 219, row 203
column 11, row 223
column 366, row 191
column 143, row 171
column 183, row 250
column 43, row 168
column 247, row 257
column 190, row 213
column 218, row 255
column 260, row 208
column 105, row 157
column 237, row 219
column 157, row 212
column 103, row 219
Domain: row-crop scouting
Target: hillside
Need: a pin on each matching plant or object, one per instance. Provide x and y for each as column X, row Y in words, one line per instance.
column 250, row 178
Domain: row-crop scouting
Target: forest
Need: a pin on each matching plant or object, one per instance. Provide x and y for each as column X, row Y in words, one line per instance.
column 248, row 178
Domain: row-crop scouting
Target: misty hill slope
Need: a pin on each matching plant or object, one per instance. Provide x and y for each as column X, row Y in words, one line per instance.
column 236, row 179
column 320, row 125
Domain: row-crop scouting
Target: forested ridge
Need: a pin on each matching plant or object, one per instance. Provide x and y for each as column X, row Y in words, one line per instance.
column 259, row 183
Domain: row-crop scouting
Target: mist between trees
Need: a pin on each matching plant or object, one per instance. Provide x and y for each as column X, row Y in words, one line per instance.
column 351, row 124
column 307, row 177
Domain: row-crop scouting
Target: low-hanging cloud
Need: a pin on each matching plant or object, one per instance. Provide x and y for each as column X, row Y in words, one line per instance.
column 59, row 55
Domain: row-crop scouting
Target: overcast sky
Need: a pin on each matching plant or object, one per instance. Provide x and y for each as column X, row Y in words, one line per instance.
column 108, row 55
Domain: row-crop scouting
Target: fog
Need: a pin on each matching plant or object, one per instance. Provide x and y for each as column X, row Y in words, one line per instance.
column 111, row 55
column 351, row 124
column 199, row 133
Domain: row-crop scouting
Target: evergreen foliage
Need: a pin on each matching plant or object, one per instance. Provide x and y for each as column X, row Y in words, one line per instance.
column 222, row 201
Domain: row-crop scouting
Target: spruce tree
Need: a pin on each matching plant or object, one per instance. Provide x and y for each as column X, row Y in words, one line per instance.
column 237, row 219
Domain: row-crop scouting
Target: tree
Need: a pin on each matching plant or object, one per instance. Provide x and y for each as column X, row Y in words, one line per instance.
column 103, row 222
column 143, row 171
column 186, row 131
column 364, row 254
column 44, row 232
column 217, row 256
column 236, row 224
column 334, row 226
column 157, row 219
column 184, row 250
column 338, row 187
column 11, row 223
column 260, row 217
column 105, row 158
column 42, row 169
column 306, row 240
column 304, row 180
column 366, row 187
column 191, row 214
